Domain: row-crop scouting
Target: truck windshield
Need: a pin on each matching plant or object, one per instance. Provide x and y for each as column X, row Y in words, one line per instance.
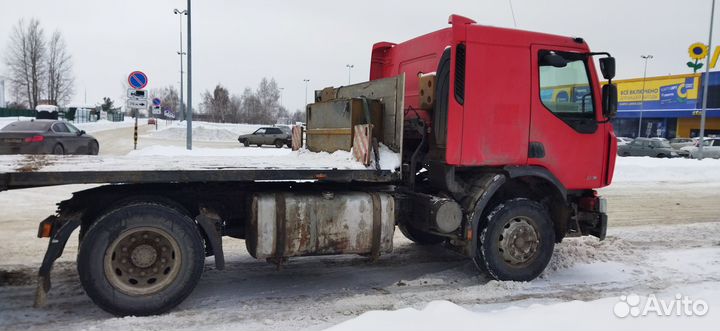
column 566, row 90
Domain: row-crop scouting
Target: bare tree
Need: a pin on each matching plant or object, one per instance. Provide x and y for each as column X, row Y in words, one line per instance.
column 59, row 70
column 218, row 104
column 25, row 59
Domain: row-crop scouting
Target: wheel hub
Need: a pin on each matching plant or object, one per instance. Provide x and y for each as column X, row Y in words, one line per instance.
column 143, row 256
column 519, row 241
column 142, row 261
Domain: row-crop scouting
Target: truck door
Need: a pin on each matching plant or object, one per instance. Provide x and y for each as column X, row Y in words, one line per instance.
column 565, row 136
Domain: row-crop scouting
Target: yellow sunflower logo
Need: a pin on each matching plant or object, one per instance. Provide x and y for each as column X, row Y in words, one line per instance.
column 697, row 51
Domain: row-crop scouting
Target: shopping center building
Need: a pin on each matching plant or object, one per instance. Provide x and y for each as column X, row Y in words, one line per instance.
column 670, row 106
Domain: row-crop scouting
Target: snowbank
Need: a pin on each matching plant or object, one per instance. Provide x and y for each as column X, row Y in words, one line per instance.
column 204, row 131
column 590, row 315
column 647, row 169
column 89, row 127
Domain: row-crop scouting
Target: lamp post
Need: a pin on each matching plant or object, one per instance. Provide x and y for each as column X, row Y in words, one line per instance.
column 189, row 78
column 705, row 85
column 181, row 53
column 306, row 90
column 642, row 98
column 349, row 66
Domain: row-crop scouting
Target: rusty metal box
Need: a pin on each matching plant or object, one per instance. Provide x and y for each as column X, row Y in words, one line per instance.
column 427, row 91
column 330, row 123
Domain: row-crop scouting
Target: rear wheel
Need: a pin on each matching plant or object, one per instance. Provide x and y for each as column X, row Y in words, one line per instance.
column 278, row 143
column 259, row 145
column 517, row 241
column 58, row 150
column 140, row 259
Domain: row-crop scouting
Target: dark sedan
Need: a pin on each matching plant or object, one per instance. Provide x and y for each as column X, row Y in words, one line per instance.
column 46, row 137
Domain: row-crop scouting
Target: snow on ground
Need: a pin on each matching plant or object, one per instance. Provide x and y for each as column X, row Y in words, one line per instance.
column 647, row 169
column 177, row 158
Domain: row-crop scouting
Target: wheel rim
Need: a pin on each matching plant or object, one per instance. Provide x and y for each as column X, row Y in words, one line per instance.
column 142, row 261
column 519, row 241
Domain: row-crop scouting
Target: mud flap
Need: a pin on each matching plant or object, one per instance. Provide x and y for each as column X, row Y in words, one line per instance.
column 55, row 249
column 208, row 223
column 600, row 229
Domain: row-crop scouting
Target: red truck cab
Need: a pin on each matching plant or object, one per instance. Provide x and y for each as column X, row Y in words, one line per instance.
column 520, row 127
column 506, row 107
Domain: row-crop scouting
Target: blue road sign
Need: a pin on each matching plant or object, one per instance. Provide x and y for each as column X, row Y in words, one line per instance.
column 156, row 102
column 137, row 80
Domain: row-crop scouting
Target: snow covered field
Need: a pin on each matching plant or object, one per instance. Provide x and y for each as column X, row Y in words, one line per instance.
column 664, row 239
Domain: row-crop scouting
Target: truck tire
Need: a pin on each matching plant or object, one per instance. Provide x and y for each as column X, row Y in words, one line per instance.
column 141, row 259
column 419, row 237
column 517, row 241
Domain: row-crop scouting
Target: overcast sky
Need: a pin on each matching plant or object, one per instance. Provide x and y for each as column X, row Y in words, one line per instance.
column 236, row 43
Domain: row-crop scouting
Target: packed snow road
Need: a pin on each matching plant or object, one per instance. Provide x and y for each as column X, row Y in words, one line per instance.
column 664, row 238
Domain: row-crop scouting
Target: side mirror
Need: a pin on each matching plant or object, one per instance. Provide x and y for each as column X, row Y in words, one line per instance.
column 607, row 67
column 609, row 101
column 81, row 132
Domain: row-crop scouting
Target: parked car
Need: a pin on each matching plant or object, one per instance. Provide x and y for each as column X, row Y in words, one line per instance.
column 654, row 147
column 679, row 143
column 624, row 140
column 267, row 136
column 711, row 149
column 46, row 137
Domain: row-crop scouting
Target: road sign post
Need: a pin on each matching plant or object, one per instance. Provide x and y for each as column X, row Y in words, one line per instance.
column 137, row 98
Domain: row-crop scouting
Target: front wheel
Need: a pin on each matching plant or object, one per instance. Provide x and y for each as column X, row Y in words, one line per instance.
column 517, row 241
column 140, row 259
column 246, row 143
column 93, row 148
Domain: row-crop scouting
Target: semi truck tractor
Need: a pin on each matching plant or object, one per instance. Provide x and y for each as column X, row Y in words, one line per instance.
column 503, row 137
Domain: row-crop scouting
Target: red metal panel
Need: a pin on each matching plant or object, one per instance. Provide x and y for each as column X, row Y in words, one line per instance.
column 497, row 105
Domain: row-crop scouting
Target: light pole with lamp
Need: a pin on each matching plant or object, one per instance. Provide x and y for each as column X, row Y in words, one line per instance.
column 306, row 88
column 282, row 89
column 705, row 85
column 642, row 98
column 181, row 53
column 349, row 66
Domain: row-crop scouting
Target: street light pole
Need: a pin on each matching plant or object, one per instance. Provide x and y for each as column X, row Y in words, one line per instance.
column 349, row 66
column 642, row 100
column 705, row 85
column 181, row 53
column 189, row 78
column 282, row 89
column 306, row 88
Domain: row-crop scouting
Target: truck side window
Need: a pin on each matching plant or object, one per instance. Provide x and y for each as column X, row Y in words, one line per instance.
column 566, row 91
